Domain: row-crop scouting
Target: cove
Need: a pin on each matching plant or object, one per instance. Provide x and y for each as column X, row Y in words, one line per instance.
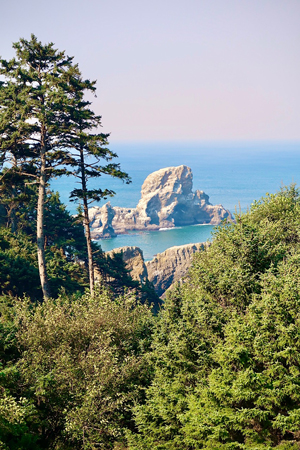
column 153, row 242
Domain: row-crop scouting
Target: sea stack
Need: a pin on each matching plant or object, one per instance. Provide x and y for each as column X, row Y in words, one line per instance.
column 167, row 200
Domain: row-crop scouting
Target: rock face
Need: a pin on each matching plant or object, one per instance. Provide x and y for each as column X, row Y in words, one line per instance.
column 165, row 269
column 101, row 221
column 134, row 260
column 167, row 200
column 171, row 266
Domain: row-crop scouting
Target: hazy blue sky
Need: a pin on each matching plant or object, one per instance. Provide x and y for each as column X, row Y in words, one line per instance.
column 177, row 70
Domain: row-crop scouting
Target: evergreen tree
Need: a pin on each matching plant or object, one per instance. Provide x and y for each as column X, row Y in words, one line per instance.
column 91, row 158
column 14, row 148
column 226, row 349
column 43, row 77
column 48, row 129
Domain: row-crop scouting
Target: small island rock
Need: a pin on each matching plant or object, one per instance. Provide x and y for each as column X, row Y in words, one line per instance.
column 101, row 221
column 167, row 201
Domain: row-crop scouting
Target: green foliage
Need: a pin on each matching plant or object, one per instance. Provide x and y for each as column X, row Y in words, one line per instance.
column 40, row 81
column 252, row 396
column 35, row 132
column 48, row 129
column 16, row 417
column 226, row 349
column 83, row 368
column 230, row 270
column 17, row 413
column 72, row 368
column 63, row 231
column 66, row 256
column 18, row 268
column 15, row 193
column 187, row 331
column 221, row 370
column 91, row 158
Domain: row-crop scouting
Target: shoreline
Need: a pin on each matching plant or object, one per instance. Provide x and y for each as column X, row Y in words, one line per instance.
column 145, row 231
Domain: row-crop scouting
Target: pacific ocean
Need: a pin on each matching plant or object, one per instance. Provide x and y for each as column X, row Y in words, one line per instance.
column 233, row 174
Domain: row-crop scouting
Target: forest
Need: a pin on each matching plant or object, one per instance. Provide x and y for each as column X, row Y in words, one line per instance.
column 90, row 358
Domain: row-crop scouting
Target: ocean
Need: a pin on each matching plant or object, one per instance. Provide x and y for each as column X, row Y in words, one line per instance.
column 233, row 174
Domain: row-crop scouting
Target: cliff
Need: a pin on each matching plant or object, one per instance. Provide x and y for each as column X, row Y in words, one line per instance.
column 167, row 200
column 165, row 269
column 134, row 261
column 171, row 266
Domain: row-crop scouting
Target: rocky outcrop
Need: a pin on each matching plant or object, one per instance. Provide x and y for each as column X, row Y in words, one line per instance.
column 167, row 200
column 164, row 270
column 134, row 261
column 101, row 221
column 171, row 266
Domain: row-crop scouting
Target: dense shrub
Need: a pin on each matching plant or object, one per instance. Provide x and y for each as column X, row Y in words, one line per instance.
column 80, row 368
column 227, row 345
column 219, row 368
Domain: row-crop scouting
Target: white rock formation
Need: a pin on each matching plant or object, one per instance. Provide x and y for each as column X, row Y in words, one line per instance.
column 167, row 200
column 101, row 221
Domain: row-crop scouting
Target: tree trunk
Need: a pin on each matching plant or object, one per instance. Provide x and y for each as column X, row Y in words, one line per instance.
column 40, row 227
column 12, row 213
column 89, row 246
column 86, row 222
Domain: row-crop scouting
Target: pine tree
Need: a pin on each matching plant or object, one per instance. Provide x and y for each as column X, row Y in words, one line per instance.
column 91, row 159
column 14, row 150
column 44, row 79
column 47, row 129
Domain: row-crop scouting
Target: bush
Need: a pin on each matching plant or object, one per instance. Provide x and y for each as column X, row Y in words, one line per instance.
column 83, row 367
column 226, row 349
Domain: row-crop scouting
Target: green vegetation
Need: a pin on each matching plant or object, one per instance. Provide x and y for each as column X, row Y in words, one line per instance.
column 44, row 123
column 218, row 367
column 66, row 256
column 72, row 369
column 226, row 346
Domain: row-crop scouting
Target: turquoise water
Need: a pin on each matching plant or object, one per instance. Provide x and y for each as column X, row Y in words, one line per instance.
column 232, row 174
column 153, row 242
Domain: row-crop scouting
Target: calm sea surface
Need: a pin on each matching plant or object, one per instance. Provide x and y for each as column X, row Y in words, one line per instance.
column 232, row 174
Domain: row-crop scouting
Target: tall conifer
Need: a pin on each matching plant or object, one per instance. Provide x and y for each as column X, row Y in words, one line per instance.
column 91, row 159
column 48, row 129
column 14, row 150
column 44, row 77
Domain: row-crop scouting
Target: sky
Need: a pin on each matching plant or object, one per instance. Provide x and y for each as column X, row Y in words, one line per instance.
column 170, row 70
